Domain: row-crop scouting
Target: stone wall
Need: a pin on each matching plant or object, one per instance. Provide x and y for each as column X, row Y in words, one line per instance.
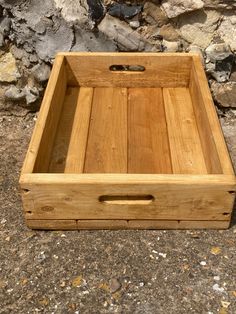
column 33, row 31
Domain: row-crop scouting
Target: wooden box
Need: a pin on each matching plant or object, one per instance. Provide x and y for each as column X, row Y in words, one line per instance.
column 127, row 140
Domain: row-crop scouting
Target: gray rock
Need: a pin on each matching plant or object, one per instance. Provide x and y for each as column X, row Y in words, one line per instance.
column 92, row 41
column 54, row 40
column 31, row 94
column 198, row 27
column 5, row 26
column 1, row 40
column 14, row 93
column 124, row 11
column 227, row 30
column 217, row 52
column 9, row 72
column 174, row 8
column 224, row 94
column 123, row 34
column 220, row 61
column 154, row 15
column 75, row 11
column 41, row 72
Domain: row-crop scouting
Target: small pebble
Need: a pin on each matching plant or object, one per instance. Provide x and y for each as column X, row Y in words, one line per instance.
column 163, row 255
column 203, row 263
column 134, row 24
column 217, row 288
column 216, row 278
column 114, row 285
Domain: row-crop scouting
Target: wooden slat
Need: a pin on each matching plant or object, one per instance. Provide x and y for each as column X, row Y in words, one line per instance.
column 95, row 224
column 39, row 151
column 185, row 146
column 61, row 144
column 148, row 145
column 107, row 141
column 150, row 224
column 209, row 127
column 162, row 70
column 51, row 224
column 79, row 135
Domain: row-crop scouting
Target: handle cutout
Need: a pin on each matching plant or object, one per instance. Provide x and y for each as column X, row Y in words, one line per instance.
column 127, row 68
column 126, row 199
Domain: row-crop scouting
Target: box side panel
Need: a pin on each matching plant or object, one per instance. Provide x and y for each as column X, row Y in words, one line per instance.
column 55, row 101
column 213, row 144
column 162, row 200
column 38, row 154
column 97, row 70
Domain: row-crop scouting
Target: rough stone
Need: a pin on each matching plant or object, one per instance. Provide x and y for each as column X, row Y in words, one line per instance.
column 198, row 27
column 124, row 11
column 14, row 93
column 224, row 94
column 227, row 31
column 75, row 11
column 134, row 24
column 154, row 15
column 1, row 40
column 9, row 72
column 123, row 34
column 174, row 8
column 96, row 10
column 171, row 46
column 41, row 72
column 218, row 52
column 219, row 61
column 220, row 4
column 169, row 33
column 5, row 26
column 31, row 94
column 92, row 41
column 60, row 39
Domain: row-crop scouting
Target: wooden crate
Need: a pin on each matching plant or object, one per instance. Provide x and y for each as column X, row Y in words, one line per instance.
column 127, row 140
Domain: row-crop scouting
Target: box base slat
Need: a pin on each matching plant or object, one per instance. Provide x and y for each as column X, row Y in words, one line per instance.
column 124, row 224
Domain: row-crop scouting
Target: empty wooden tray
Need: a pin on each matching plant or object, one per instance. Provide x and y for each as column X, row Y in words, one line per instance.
column 127, row 140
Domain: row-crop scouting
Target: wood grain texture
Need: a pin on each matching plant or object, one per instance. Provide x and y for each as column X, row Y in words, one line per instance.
column 107, row 140
column 43, row 224
column 185, row 146
column 39, row 151
column 148, row 145
column 96, row 224
column 204, row 96
column 63, row 135
column 182, row 198
column 162, row 70
column 79, row 135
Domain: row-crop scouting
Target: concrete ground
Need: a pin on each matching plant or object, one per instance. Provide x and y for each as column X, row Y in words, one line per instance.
column 142, row 272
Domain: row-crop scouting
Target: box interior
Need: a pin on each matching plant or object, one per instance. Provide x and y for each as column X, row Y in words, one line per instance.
column 131, row 116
